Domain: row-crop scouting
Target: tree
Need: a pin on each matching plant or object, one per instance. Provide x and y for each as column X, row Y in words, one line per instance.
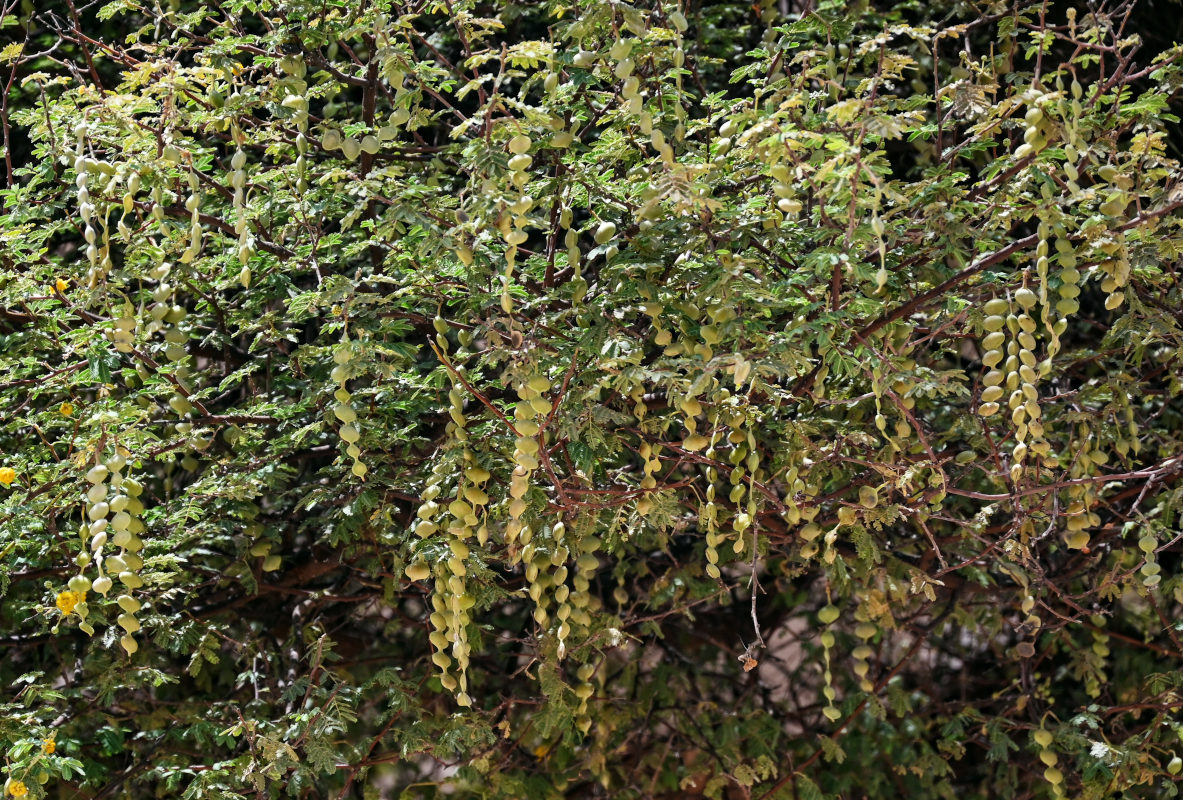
column 590, row 400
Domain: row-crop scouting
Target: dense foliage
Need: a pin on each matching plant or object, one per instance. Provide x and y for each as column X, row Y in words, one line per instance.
column 584, row 399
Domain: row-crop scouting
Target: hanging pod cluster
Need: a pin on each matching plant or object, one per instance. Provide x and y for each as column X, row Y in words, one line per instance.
column 546, row 569
column 98, row 244
column 246, row 242
column 1037, row 128
column 1053, row 326
column 1051, row 773
column 584, row 690
column 902, row 429
column 800, row 505
column 167, row 316
column 862, row 654
column 1015, row 372
column 1115, row 267
column 531, row 409
column 728, row 418
column 390, row 57
column 402, row 102
column 466, row 517
column 623, row 66
column 351, row 148
column 827, row 615
column 651, row 463
column 1095, row 678
column 451, row 601
column 1151, row 570
column 577, row 283
column 296, row 100
column 343, row 409
column 1081, row 498
column 196, row 234
column 1074, row 145
column 744, row 459
column 661, row 335
column 784, row 188
column 1069, row 275
column 134, row 183
column 443, row 622
column 708, row 514
column 113, row 510
column 513, row 226
column 123, row 334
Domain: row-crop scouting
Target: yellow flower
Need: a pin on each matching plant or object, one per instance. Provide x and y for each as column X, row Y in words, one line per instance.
column 48, row 746
column 7, row 475
column 18, row 789
column 61, row 285
column 67, row 600
column 66, row 409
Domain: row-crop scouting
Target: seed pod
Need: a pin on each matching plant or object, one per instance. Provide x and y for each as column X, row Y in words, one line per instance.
column 130, row 580
column 604, row 232
column 995, row 306
column 519, row 144
column 994, row 340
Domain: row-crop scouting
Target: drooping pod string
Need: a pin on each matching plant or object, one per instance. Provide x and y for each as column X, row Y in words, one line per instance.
column 113, row 510
column 167, row 316
column 562, row 592
column 1052, row 774
column 529, row 412
column 513, row 225
column 296, row 100
column 862, row 654
column 709, row 511
column 246, row 242
column 1079, row 513
column 343, row 410
column 827, row 615
column 1014, row 371
column 196, row 234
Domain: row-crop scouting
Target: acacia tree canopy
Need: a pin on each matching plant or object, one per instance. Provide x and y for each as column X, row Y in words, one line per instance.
column 587, row 399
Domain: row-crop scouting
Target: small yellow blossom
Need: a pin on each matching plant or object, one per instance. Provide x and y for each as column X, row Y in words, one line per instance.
column 66, row 409
column 7, row 475
column 67, row 600
column 61, row 285
column 48, row 746
column 18, row 789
